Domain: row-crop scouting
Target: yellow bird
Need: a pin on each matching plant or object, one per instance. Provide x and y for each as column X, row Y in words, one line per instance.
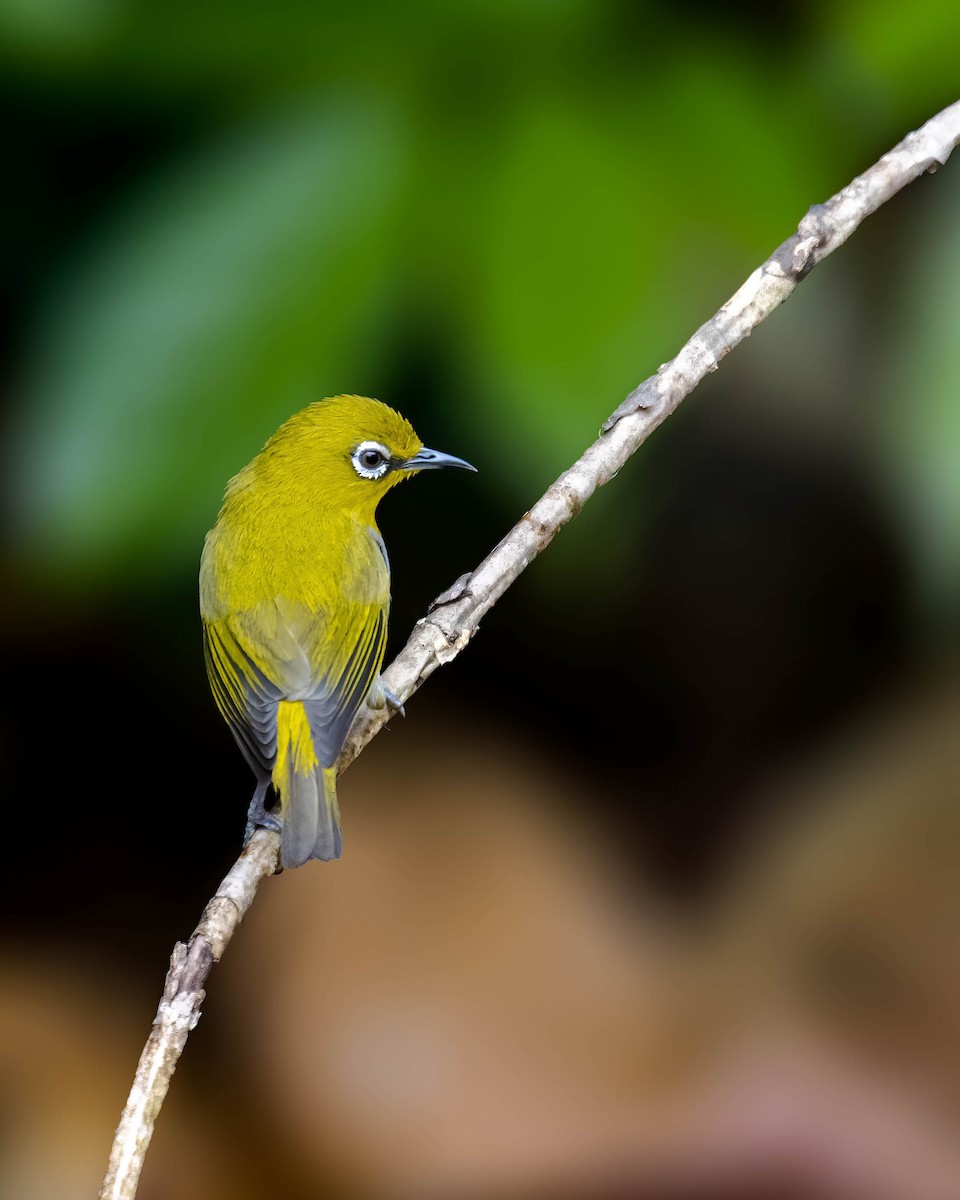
column 294, row 597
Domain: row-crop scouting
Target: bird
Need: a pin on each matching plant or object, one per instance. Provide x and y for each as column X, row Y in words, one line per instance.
column 294, row 601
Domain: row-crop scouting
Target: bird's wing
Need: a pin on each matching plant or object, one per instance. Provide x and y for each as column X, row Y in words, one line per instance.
column 343, row 655
column 283, row 650
column 245, row 694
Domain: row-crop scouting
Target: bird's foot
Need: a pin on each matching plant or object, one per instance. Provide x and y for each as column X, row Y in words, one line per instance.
column 259, row 816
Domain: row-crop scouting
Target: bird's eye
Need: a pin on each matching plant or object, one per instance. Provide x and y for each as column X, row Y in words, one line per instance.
column 371, row 460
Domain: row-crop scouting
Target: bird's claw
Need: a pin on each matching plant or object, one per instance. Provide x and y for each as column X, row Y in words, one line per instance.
column 382, row 697
column 393, row 701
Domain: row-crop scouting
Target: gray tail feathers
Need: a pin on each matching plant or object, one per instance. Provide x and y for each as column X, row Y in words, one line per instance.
column 311, row 817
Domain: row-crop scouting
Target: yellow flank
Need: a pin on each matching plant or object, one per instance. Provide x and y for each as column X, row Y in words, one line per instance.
column 294, row 744
column 294, row 598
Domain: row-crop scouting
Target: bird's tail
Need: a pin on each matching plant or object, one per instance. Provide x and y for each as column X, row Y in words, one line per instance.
column 307, row 790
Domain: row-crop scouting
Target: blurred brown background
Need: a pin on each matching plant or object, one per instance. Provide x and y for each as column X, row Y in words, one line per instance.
column 654, row 891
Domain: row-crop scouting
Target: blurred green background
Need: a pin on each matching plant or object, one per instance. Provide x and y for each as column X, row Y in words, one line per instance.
column 498, row 217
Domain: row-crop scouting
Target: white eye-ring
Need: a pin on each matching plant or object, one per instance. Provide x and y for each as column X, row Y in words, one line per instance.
column 371, row 460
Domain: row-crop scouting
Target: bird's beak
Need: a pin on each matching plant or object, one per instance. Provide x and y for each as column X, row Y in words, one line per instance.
column 428, row 460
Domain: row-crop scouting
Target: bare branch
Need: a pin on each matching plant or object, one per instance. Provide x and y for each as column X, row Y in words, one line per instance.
column 179, row 1011
column 455, row 616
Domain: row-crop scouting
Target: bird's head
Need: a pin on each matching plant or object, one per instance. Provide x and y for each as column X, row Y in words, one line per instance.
column 349, row 451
